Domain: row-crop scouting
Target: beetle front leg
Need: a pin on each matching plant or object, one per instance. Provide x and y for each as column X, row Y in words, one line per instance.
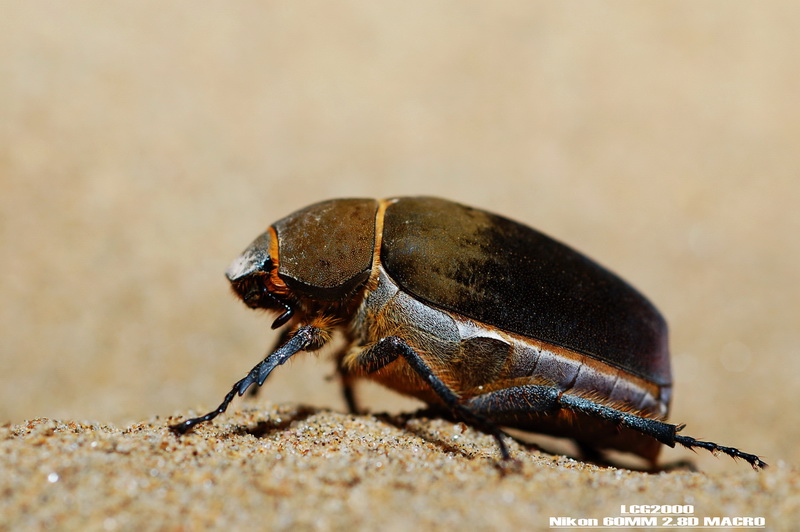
column 388, row 349
column 306, row 338
column 284, row 337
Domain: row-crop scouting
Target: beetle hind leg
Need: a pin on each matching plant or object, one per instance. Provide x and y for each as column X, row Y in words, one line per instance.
column 664, row 432
column 391, row 348
column 519, row 402
column 691, row 443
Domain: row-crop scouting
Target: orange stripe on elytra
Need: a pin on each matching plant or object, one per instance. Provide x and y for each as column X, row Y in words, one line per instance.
column 276, row 284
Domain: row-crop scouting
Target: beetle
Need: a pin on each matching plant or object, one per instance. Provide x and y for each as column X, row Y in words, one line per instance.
column 470, row 312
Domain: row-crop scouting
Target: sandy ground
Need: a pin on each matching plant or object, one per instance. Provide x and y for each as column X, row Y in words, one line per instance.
column 143, row 146
column 310, row 469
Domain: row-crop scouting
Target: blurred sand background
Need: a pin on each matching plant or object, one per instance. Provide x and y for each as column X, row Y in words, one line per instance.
column 144, row 145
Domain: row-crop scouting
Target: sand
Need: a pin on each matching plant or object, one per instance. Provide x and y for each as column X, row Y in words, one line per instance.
column 310, row 469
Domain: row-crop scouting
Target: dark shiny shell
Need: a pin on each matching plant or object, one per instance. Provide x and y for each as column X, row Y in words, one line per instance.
column 509, row 276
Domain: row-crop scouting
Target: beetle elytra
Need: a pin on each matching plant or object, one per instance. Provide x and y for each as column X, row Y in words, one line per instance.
column 470, row 312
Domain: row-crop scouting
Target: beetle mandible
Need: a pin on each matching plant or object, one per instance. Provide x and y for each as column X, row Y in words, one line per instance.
column 468, row 311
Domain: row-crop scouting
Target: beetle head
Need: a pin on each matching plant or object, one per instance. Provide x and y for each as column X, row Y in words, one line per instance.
column 311, row 261
column 250, row 279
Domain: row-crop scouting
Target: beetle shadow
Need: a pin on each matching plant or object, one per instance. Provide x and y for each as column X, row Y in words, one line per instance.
column 604, row 459
column 619, row 460
column 401, row 421
column 270, row 425
column 610, row 459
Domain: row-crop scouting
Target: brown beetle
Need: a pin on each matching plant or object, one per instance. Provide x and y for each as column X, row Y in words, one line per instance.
column 469, row 311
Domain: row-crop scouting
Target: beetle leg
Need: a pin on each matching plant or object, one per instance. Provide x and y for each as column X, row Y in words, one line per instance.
column 664, row 432
column 347, row 380
column 390, row 348
column 548, row 400
column 306, row 338
column 282, row 339
column 689, row 443
column 589, row 453
column 349, row 394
